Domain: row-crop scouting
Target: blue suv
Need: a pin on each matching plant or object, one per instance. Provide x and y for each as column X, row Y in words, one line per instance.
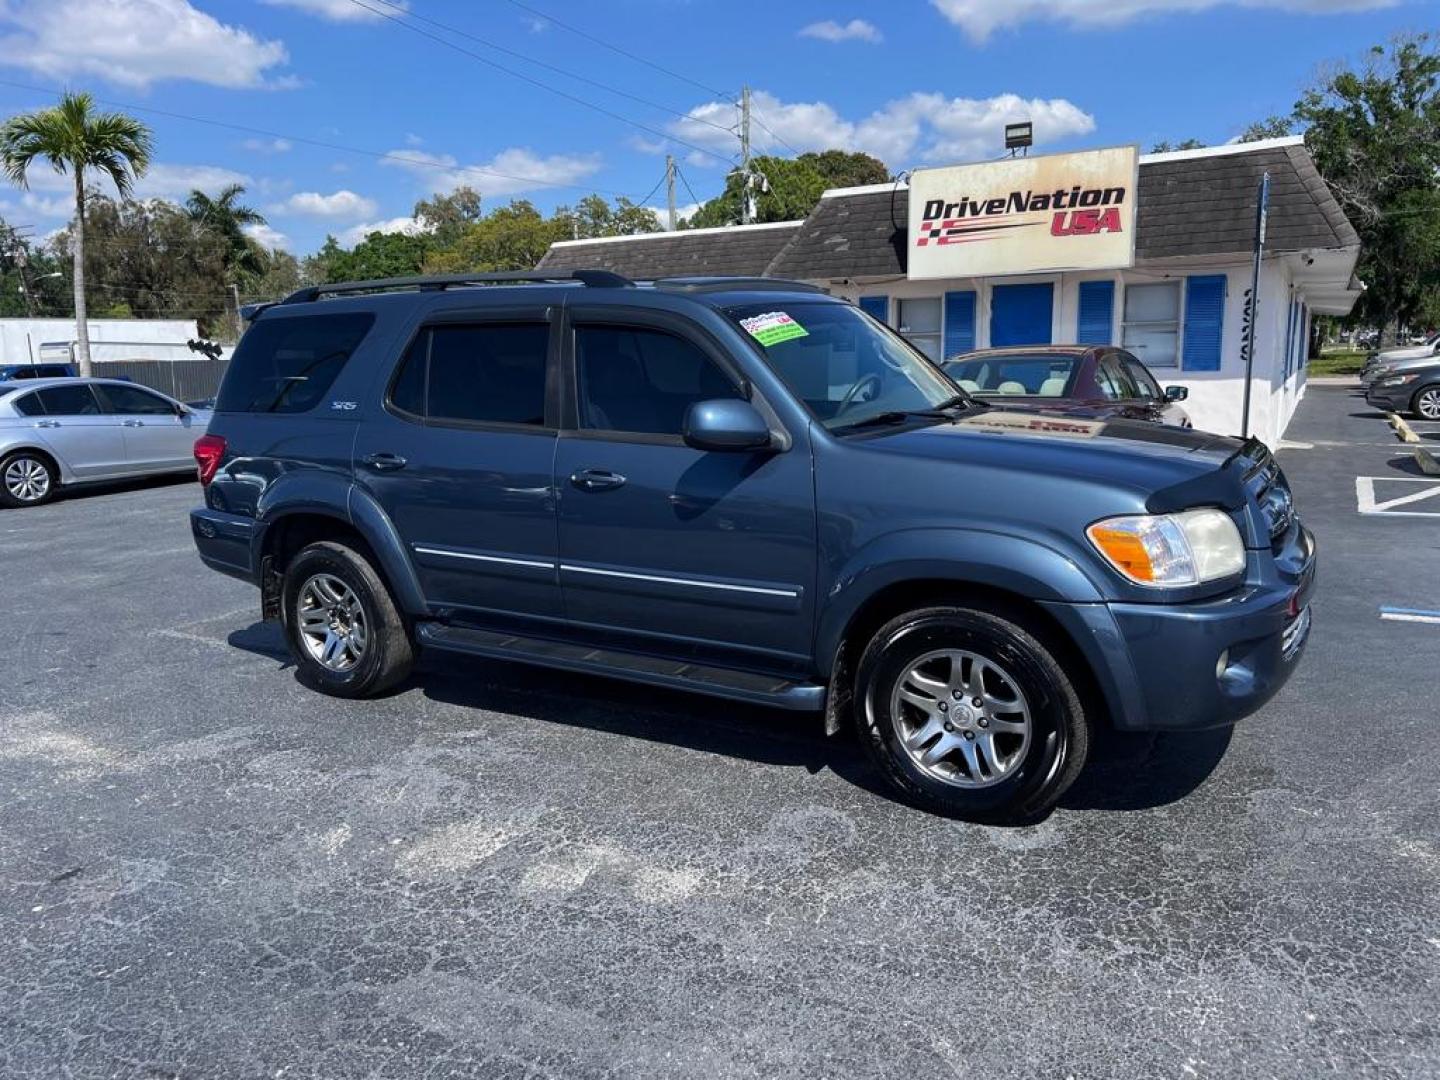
column 750, row 489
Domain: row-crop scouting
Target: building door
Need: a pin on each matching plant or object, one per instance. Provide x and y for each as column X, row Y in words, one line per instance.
column 1021, row 314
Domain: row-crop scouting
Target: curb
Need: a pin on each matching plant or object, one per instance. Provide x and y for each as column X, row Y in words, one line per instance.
column 1406, row 434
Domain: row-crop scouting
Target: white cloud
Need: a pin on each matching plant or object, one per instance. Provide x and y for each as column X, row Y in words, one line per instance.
column 267, row 146
column 921, row 128
column 854, row 30
column 175, row 182
column 134, row 43
column 339, row 204
column 409, row 226
column 682, row 213
column 507, row 173
column 267, row 237
column 338, row 10
column 980, row 18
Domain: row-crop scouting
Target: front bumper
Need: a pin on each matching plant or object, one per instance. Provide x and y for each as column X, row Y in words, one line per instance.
column 1389, row 398
column 1169, row 667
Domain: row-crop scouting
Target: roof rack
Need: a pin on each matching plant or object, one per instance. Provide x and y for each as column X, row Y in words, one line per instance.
column 729, row 284
column 595, row 279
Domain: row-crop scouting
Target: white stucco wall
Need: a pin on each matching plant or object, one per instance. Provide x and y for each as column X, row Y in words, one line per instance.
column 20, row 339
column 1215, row 401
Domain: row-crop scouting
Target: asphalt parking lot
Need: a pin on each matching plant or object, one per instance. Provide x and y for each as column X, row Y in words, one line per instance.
column 207, row 871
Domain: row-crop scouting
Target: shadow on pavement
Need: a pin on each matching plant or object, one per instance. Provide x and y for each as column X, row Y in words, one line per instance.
column 118, row 487
column 1138, row 771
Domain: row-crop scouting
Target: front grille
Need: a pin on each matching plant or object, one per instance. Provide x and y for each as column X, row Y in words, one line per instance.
column 1292, row 639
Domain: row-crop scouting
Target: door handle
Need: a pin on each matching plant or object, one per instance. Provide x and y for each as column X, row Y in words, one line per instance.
column 134, row 423
column 385, row 462
column 47, row 423
column 596, row 480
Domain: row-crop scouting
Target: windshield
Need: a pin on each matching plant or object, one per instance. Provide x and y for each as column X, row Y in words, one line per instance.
column 844, row 366
column 1027, row 374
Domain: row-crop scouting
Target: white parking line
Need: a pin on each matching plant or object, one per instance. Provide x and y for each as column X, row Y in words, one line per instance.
column 1367, row 502
column 1393, row 614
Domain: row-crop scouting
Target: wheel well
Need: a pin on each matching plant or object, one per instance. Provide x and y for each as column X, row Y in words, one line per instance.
column 38, row 452
column 906, row 596
column 290, row 535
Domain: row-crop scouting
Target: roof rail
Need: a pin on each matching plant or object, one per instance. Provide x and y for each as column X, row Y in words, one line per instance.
column 727, row 284
column 595, row 279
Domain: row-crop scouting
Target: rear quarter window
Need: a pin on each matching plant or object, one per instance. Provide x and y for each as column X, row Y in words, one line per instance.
column 288, row 365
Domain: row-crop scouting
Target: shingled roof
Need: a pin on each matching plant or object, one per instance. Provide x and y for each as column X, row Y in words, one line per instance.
column 1190, row 203
column 741, row 250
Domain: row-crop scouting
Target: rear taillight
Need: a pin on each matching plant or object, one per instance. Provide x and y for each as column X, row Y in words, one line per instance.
column 209, row 449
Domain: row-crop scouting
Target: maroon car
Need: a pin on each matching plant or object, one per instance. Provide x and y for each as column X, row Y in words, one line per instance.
column 1096, row 381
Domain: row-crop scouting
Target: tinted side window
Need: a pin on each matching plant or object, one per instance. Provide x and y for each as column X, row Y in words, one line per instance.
column 68, row 400
column 28, row 405
column 488, row 374
column 287, row 365
column 131, row 400
column 1149, row 388
column 1115, row 383
column 407, row 392
column 642, row 380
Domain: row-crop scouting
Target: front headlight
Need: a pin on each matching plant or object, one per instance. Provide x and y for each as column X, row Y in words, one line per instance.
column 1398, row 380
column 1169, row 550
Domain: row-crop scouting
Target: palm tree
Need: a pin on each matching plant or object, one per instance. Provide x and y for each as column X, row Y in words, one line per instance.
column 226, row 217
column 73, row 137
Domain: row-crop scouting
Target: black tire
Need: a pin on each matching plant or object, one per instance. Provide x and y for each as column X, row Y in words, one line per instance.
column 1427, row 397
column 1059, row 739
column 20, row 459
column 388, row 653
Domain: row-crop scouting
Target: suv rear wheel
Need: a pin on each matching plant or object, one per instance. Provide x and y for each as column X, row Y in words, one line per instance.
column 343, row 628
column 968, row 714
column 26, row 479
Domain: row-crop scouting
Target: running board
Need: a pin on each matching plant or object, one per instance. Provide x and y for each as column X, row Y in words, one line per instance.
column 773, row 690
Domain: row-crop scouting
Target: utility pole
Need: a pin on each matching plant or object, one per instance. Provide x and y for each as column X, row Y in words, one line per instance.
column 670, row 191
column 233, row 296
column 747, row 180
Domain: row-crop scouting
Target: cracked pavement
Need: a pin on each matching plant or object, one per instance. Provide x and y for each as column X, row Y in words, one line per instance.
column 208, row 871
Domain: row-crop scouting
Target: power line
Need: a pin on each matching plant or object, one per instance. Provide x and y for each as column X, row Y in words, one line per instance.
column 684, row 115
column 401, row 158
column 766, row 127
column 693, row 197
column 617, row 49
column 533, row 81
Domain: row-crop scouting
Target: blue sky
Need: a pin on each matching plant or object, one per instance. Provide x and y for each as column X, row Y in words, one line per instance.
column 912, row 81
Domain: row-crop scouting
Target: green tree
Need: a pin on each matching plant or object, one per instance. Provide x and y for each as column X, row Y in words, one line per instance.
column 32, row 281
column 1168, row 147
column 593, row 217
column 1375, row 135
column 73, row 137
column 446, row 217
column 146, row 260
column 379, row 255
column 512, row 237
column 793, row 186
column 224, row 216
column 1272, row 127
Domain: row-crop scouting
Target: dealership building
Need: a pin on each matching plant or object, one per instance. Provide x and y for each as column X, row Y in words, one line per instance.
column 1150, row 252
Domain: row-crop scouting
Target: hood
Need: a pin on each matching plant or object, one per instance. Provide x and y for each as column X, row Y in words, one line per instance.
column 1150, row 459
column 1406, row 352
column 1428, row 359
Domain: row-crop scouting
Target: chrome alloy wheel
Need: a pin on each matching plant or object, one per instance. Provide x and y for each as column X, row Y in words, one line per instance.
column 331, row 620
column 27, row 479
column 1428, row 404
column 961, row 718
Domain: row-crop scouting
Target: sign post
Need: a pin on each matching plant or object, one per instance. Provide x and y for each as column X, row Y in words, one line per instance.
column 1252, row 302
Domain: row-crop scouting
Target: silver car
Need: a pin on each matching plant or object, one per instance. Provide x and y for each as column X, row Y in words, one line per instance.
column 59, row 432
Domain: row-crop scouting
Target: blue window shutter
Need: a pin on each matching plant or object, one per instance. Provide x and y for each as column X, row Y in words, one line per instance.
column 959, row 322
column 1021, row 314
column 1097, row 313
column 1204, row 322
column 876, row 306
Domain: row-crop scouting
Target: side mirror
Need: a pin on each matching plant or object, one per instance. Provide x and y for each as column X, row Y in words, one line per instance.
column 726, row 424
column 1176, row 393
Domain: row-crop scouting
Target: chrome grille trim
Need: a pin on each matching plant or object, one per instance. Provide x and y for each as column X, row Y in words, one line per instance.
column 1294, row 635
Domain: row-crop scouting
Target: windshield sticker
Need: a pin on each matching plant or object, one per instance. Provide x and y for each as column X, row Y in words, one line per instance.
column 773, row 327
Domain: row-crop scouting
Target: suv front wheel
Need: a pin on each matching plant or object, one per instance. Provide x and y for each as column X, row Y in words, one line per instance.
column 343, row 628
column 967, row 714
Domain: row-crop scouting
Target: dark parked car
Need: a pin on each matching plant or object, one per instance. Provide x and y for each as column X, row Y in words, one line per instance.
column 1077, row 380
column 15, row 372
column 749, row 489
column 1411, row 389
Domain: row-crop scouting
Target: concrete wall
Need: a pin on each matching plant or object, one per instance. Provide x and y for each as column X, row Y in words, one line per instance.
column 1215, row 402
